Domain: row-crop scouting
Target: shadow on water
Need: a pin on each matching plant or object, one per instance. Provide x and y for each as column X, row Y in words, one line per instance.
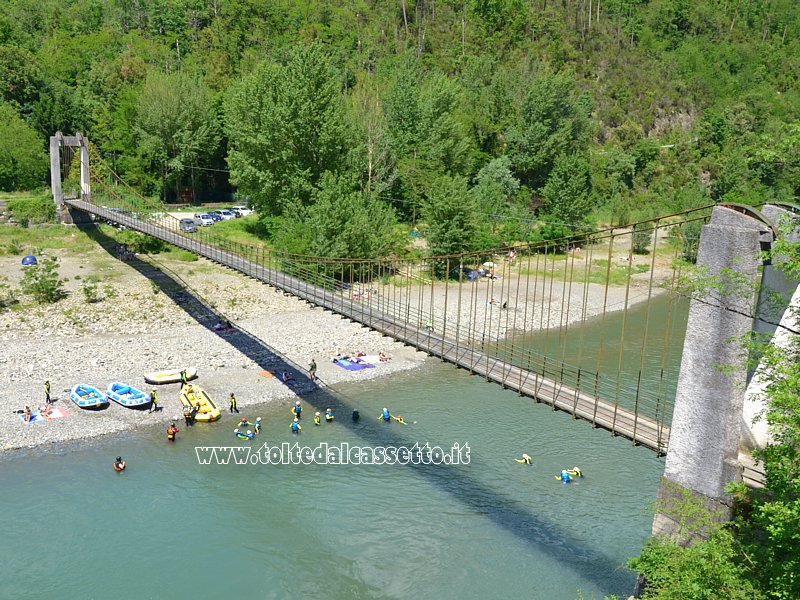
column 533, row 530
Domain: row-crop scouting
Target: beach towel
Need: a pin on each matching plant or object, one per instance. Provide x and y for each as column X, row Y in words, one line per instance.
column 35, row 417
column 57, row 413
column 350, row 366
column 371, row 359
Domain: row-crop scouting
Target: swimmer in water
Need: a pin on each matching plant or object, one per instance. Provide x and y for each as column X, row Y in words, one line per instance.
column 329, row 415
column 119, row 464
column 316, row 418
column 525, row 460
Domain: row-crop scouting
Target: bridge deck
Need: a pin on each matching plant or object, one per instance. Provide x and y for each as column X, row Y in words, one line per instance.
column 620, row 421
column 616, row 419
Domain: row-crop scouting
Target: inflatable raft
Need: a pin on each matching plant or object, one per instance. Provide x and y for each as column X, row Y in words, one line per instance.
column 170, row 376
column 207, row 410
column 126, row 395
column 87, row 396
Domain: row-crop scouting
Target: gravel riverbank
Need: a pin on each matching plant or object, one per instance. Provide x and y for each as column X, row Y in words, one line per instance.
column 137, row 327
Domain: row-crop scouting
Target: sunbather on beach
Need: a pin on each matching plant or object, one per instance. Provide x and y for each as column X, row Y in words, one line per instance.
column 27, row 414
column 45, row 411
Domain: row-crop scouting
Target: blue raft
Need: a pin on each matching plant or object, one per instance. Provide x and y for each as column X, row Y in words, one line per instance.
column 87, row 396
column 126, row 395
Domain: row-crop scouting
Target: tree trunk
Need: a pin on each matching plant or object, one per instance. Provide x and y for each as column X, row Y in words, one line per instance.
column 619, row 25
column 405, row 16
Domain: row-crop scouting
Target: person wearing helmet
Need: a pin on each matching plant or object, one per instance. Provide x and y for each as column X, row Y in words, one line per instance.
column 257, row 425
column 172, row 431
column 386, row 415
column 329, row 415
column 244, row 423
column 250, row 435
column 356, row 416
column 525, row 460
column 119, row 464
column 240, row 434
column 297, row 410
column 565, row 477
column 296, row 426
column 316, row 418
column 575, row 472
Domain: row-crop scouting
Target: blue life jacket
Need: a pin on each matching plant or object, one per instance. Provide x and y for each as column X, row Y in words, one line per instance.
column 328, row 415
column 298, row 409
column 249, row 436
column 242, row 436
column 565, row 477
column 295, row 426
column 387, row 416
column 258, row 426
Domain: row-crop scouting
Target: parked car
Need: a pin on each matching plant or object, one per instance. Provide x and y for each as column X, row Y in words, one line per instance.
column 188, row 226
column 204, row 219
column 214, row 216
column 242, row 211
column 225, row 214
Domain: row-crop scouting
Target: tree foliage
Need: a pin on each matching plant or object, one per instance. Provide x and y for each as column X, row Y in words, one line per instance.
column 23, row 161
column 286, row 127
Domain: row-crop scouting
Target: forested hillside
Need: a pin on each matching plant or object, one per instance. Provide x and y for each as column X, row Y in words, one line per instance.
column 480, row 119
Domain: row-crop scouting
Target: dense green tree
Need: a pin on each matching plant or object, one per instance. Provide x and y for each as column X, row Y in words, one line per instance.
column 449, row 212
column 567, row 195
column 20, row 78
column 553, row 120
column 347, row 223
column 286, row 127
column 23, row 161
column 176, row 125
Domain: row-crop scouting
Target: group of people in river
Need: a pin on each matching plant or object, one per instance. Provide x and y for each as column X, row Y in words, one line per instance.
column 566, row 475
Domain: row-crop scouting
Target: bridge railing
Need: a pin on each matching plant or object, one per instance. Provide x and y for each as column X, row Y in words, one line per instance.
column 401, row 293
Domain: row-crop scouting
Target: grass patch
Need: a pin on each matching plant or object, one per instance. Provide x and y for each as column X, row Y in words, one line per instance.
column 181, row 255
column 17, row 240
column 248, row 231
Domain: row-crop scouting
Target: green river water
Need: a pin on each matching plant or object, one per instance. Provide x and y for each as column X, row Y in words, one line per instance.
column 168, row 526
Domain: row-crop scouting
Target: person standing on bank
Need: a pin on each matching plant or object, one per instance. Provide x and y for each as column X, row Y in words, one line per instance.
column 47, row 392
column 312, row 369
column 233, row 404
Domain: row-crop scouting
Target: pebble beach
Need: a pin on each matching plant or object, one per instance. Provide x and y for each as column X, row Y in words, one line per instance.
column 142, row 329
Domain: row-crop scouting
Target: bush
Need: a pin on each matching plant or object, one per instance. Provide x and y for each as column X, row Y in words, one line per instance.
column 140, row 243
column 42, row 282
column 30, row 210
column 642, row 236
column 90, row 292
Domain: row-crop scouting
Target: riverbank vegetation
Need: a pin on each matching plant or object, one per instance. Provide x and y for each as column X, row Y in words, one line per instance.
column 476, row 121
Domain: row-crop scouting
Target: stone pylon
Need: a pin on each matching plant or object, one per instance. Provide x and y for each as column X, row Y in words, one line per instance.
column 702, row 457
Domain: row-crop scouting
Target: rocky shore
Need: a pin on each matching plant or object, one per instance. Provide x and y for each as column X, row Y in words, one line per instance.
column 155, row 314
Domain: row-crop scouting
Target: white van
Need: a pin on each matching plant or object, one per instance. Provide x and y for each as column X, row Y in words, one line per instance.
column 242, row 210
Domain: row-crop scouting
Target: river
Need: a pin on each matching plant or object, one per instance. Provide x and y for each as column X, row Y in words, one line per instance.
column 491, row 528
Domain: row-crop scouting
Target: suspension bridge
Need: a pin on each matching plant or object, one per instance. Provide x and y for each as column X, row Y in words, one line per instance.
column 516, row 316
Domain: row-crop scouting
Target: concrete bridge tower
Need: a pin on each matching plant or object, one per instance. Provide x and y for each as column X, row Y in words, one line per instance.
column 58, row 142
column 714, row 406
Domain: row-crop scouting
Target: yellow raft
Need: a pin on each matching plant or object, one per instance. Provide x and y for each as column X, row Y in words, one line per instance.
column 170, row 376
column 193, row 395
